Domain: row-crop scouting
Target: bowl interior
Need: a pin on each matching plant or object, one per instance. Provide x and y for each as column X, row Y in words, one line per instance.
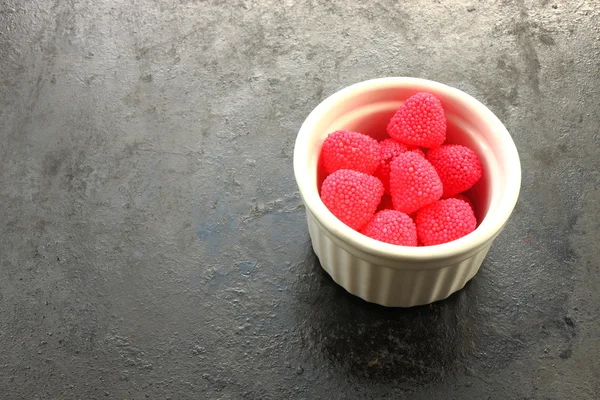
column 373, row 121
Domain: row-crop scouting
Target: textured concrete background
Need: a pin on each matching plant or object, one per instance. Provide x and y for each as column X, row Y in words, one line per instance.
column 153, row 243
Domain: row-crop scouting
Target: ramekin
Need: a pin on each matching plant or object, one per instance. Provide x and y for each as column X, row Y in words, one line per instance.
column 401, row 276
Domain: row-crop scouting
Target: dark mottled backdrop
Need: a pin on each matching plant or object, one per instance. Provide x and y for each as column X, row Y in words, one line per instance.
column 153, row 243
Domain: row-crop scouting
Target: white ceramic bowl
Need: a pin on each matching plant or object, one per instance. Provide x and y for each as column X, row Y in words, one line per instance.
column 402, row 276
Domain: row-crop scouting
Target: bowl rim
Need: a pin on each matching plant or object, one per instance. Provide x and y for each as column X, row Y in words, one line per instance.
column 487, row 230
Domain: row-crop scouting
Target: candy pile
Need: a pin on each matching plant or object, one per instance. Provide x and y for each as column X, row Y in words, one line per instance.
column 407, row 189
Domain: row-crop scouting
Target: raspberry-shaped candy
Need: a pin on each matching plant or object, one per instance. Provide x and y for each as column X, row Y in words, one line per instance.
column 465, row 198
column 393, row 227
column 417, row 150
column 420, row 121
column 350, row 150
column 352, row 196
column 458, row 166
column 444, row 221
column 388, row 150
column 413, row 182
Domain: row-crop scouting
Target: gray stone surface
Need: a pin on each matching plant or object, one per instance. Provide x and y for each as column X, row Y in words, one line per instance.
column 153, row 244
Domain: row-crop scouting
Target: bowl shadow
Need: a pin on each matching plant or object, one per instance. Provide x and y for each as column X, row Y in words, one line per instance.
column 378, row 344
